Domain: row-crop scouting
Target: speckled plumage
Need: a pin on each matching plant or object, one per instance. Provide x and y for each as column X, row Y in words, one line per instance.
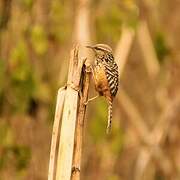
column 105, row 73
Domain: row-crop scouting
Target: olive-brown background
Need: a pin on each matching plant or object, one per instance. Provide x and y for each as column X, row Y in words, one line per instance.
column 35, row 40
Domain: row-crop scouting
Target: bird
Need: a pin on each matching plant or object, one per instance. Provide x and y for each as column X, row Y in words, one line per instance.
column 105, row 75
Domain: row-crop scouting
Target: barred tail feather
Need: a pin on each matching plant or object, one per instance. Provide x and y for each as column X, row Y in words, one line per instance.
column 109, row 117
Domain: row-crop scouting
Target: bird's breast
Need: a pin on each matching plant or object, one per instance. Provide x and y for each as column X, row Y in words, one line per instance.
column 101, row 82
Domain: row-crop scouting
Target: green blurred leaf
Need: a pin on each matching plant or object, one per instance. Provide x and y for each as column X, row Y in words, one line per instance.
column 6, row 140
column 23, row 155
column 113, row 177
column 39, row 40
column 6, row 135
column 60, row 19
column 17, row 155
column 22, row 79
column 42, row 92
column 117, row 140
column 26, row 3
column 2, row 74
column 4, row 158
column 109, row 22
column 161, row 46
column 18, row 55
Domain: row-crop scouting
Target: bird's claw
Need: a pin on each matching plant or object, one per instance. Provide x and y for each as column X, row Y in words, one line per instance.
column 75, row 169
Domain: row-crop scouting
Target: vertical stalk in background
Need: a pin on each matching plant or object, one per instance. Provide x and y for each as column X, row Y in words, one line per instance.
column 123, row 47
column 81, row 27
column 82, row 37
column 147, row 47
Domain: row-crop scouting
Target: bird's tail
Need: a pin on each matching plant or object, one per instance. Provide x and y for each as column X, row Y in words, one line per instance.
column 109, row 116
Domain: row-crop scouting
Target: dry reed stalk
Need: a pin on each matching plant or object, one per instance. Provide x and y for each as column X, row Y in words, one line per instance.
column 79, row 128
column 69, row 118
column 55, row 133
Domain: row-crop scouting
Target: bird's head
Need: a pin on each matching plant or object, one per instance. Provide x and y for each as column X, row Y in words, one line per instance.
column 100, row 49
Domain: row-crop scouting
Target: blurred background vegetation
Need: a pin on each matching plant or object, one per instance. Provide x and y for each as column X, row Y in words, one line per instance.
column 35, row 39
